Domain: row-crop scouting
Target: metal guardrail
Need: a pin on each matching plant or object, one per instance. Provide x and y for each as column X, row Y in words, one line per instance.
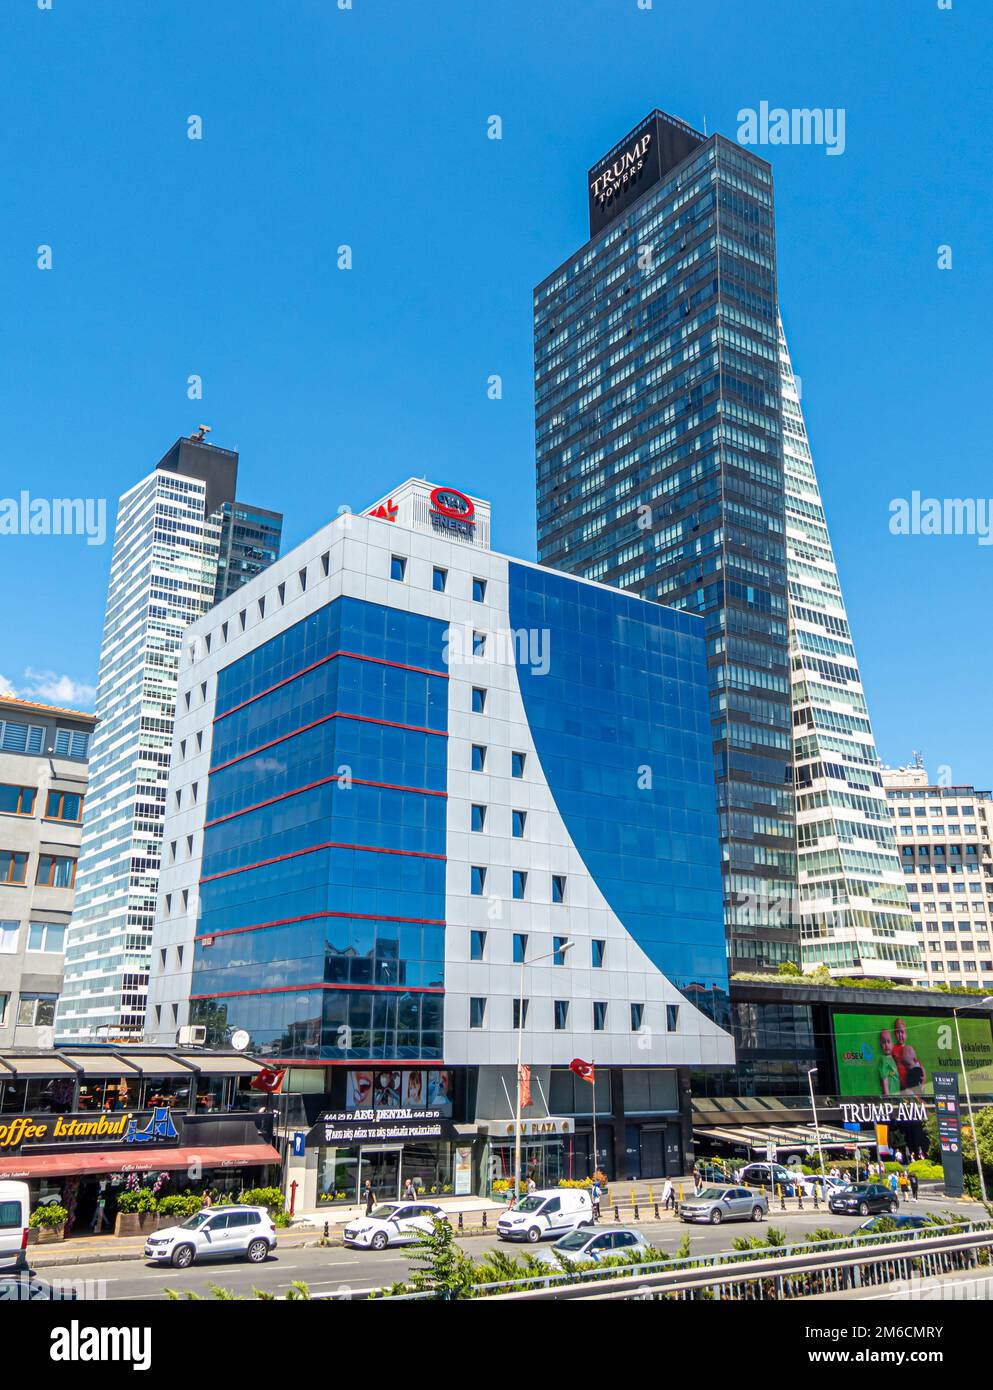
column 778, row 1277
column 742, row 1270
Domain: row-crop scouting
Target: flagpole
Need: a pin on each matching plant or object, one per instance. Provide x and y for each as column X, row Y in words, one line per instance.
column 593, row 1066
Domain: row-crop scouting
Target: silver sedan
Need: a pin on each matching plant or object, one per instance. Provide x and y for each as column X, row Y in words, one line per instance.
column 717, row 1204
column 584, row 1244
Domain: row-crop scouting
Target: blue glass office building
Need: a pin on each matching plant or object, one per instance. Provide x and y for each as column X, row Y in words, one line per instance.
column 410, row 773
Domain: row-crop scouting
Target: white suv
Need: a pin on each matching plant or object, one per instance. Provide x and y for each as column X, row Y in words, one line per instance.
column 216, row 1233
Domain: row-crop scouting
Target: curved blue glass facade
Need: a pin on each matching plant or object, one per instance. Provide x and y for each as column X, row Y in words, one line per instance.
column 322, row 896
column 620, row 721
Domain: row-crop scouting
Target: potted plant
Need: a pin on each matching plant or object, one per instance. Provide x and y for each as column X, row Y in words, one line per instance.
column 50, row 1222
column 137, row 1209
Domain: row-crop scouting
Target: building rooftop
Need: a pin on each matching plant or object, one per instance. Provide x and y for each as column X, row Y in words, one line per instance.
column 15, row 702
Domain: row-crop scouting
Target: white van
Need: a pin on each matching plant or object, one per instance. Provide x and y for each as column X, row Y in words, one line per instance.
column 552, row 1212
column 15, row 1208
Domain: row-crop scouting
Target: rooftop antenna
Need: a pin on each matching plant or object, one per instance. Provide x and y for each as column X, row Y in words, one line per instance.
column 705, row 123
column 918, row 759
column 200, row 433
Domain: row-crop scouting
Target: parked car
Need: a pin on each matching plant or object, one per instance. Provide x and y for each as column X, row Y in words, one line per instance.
column 216, row 1233
column 15, row 1208
column 823, row 1186
column 584, row 1244
column 714, row 1172
column 392, row 1223
column 717, row 1204
column 887, row 1223
column 866, row 1199
column 552, row 1212
column 768, row 1175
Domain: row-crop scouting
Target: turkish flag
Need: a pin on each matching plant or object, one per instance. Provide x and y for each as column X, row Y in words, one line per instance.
column 524, row 1085
column 584, row 1069
column 269, row 1080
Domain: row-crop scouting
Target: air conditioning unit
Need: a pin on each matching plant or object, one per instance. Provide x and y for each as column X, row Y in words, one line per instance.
column 192, row 1035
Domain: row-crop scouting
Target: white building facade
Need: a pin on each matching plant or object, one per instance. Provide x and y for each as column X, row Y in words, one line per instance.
column 415, row 782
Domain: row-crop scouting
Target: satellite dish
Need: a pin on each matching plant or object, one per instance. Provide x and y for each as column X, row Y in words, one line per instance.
column 240, row 1040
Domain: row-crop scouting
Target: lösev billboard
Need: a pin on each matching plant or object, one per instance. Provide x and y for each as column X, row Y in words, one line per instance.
column 897, row 1055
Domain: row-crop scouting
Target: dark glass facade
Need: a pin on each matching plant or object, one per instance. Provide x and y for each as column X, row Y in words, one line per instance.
column 660, row 469
column 249, row 543
column 322, row 897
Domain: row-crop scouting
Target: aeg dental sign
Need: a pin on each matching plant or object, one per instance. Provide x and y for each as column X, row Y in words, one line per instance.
column 884, row 1113
column 452, row 510
column 618, row 174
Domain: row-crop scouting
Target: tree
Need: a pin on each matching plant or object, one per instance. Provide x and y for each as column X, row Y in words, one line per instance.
column 441, row 1266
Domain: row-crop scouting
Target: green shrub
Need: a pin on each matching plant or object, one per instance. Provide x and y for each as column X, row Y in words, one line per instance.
column 137, row 1199
column 269, row 1197
column 51, row 1217
column 180, row 1205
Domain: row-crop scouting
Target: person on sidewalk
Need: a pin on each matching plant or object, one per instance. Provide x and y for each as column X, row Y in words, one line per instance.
column 914, row 1185
column 409, row 1191
column 369, row 1196
column 669, row 1195
column 100, row 1218
column 596, row 1192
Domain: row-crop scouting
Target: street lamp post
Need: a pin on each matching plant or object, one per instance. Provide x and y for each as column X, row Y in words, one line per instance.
column 817, row 1128
column 983, row 1003
column 566, row 946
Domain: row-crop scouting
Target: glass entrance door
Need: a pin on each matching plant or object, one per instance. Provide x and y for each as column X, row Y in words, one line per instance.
column 381, row 1167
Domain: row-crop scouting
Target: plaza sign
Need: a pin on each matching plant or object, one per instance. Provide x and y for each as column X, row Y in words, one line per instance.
column 884, row 1113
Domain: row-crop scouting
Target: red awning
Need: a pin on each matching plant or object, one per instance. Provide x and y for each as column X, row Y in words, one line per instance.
column 67, row 1165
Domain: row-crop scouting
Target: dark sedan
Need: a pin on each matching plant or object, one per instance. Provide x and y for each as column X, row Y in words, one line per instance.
column 866, row 1199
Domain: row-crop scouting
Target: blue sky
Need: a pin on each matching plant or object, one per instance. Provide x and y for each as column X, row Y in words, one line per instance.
column 368, row 127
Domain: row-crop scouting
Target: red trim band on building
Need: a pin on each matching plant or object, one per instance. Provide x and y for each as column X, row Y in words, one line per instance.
column 353, row 656
column 335, row 714
column 320, row 984
column 314, row 849
column 317, row 916
column 322, row 782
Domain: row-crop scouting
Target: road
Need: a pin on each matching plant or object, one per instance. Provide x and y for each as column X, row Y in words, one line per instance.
column 337, row 1270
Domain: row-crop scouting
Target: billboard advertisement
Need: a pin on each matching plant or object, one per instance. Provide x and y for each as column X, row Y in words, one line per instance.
column 893, row 1055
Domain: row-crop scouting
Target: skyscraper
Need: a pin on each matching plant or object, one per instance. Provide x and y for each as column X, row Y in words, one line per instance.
column 163, row 575
column 660, row 462
column 853, row 908
column 672, row 459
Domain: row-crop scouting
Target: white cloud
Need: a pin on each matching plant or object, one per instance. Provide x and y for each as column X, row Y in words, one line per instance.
column 50, row 688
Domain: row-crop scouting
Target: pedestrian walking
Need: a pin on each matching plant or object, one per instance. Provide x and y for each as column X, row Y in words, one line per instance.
column 370, row 1197
column 893, row 1184
column 914, row 1184
column 100, row 1218
column 904, row 1183
column 669, row 1195
column 596, row 1192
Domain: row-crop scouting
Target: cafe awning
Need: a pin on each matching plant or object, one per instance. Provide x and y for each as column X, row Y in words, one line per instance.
column 80, row 1163
column 222, row 1066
